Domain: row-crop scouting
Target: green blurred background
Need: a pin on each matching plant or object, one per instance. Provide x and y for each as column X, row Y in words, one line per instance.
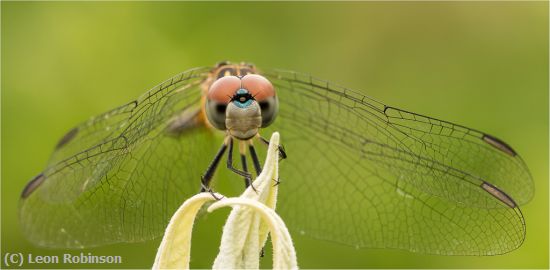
column 481, row 64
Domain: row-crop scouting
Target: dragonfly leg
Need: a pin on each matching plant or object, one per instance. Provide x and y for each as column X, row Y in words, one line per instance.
column 247, row 180
column 244, row 174
column 245, row 169
column 255, row 160
column 242, row 151
column 209, row 173
column 282, row 152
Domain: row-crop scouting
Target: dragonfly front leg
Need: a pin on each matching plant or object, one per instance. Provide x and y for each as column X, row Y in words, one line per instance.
column 247, row 180
column 242, row 152
column 282, row 152
column 282, row 155
column 209, row 173
column 255, row 159
column 245, row 174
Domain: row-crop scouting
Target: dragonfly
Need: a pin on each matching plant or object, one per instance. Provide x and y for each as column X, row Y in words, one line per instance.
column 358, row 172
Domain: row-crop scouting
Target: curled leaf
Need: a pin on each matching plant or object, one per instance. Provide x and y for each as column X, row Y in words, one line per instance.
column 175, row 249
column 284, row 255
column 246, row 230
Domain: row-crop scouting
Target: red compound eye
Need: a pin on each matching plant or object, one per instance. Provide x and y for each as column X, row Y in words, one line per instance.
column 223, row 89
column 258, row 86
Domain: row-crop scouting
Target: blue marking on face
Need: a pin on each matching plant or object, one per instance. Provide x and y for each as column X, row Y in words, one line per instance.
column 242, row 93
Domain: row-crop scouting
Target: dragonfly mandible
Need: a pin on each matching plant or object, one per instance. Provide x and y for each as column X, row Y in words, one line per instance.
column 361, row 173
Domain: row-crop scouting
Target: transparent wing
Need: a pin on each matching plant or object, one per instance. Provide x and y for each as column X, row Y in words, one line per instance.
column 118, row 176
column 369, row 175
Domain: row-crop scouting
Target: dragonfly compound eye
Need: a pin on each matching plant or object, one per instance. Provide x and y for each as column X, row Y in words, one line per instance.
column 219, row 95
column 263, row 91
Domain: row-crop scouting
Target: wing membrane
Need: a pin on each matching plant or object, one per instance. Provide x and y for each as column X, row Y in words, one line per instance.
column 140, row 115
column 371, row 175
column 119, row 176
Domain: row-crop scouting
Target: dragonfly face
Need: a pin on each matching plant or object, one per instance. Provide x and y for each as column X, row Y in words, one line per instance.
column 362, row 173
column 242, row 103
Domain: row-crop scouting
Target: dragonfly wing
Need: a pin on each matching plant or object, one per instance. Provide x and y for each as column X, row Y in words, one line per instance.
column 120, row 175
column 468, row 150
column 368, row 175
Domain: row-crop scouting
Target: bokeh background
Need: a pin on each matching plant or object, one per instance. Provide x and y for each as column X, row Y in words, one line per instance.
column 481, row 64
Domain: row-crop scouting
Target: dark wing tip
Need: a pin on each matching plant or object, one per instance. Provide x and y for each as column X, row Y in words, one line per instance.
column 67, row 138
column 33, row 185
column 499, row 194
column 499, row 144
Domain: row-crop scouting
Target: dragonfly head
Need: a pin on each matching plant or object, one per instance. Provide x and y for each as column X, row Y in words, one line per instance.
column 241, row 105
